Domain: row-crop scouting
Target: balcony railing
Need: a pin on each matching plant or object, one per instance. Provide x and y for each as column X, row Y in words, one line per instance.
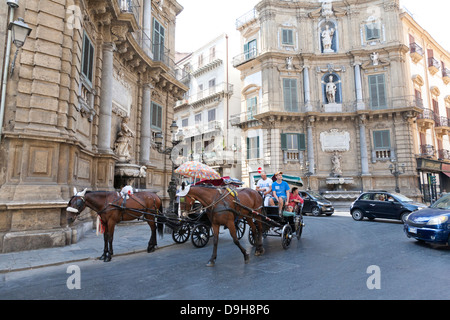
column 245, row 57
column 246, row 18
column 433, row 65
column 130, row 6
column 427, row 114
column 226, row 88
column 415, row 48
column 441, row 121
column 427, row 150
column 444, row 154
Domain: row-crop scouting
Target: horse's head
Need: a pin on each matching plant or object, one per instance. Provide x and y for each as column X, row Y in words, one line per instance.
column 76, row 205
column 186, row 201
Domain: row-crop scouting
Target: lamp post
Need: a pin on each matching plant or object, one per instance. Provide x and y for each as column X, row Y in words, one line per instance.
column 396, row 172
column 177, row 138
column 20, row 31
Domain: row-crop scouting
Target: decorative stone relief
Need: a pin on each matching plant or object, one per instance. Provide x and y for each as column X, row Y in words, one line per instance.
column 335, row 140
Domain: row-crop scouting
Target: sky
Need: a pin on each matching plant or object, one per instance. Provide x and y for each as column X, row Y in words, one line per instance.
column 203, row 20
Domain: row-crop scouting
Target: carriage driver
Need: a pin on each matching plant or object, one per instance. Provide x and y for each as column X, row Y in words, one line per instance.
column 264, row 186
column 280, row 191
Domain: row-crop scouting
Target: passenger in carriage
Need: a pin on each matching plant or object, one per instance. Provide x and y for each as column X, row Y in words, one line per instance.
column 294, row 200
column 264, row 186
column 280, row 191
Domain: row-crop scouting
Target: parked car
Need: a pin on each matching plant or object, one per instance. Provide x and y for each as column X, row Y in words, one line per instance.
column 383, row 204
column 431, row 224
column 315, row 203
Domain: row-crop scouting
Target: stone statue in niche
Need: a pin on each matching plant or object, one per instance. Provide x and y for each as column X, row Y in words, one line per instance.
column 331, row 90
column 375, row 58
column 122, row 146
column 289, row 63
column 327, row 39
column 336, row 170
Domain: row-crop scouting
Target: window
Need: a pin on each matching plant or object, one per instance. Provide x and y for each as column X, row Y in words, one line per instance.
column 382, row 139
column 198, row 118
column 212, row 86
column 87, row 60
column 156, row 116
column 287, row 37
column 212, row 54
column 250, row 50
column 253, row 148
column 200, row 60
column 373, row 31
column 158, row 41
column 251, row 107
column 377, row 92
column 293, row 141
column 211, row 115
column 290, row 95
column 185, row 122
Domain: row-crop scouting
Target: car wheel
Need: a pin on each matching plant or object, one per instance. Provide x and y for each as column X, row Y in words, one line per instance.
column 315, row 211
column 403, row 216
column 357, row 215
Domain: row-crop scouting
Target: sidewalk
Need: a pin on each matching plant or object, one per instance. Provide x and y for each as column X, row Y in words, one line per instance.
column 128, row 238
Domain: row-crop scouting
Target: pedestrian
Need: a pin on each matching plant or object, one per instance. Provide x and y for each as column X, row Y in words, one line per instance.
column 280, row 192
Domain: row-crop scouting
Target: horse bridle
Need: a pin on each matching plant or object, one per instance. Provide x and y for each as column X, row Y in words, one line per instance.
column 212, row 204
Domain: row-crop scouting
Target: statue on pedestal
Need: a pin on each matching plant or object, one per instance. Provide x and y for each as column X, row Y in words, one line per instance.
column 331, row 90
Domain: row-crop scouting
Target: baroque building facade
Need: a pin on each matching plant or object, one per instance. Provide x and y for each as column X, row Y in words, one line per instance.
column 94, row 82
column 327, row 95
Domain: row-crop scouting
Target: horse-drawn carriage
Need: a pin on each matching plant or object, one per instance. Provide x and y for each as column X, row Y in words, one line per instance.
column 221, row 205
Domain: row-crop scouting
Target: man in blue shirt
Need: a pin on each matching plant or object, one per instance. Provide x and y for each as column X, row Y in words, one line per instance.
column 280, row 191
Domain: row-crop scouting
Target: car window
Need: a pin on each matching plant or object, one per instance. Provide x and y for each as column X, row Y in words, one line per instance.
column 379, row 197
column 365, row 196
column 442, row 203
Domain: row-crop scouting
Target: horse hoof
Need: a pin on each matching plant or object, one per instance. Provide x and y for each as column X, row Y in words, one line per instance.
column 150, row 249
column 259, row 252
column 247, row 258
column 210, row 264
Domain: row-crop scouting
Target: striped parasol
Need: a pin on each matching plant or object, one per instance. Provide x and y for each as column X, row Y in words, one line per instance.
column 197, row 169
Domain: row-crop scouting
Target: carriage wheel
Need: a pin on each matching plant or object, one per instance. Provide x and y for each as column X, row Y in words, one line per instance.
column 298, row 227
column 251, row 237
column 240, row 228
column 200, row 235
column 286, row 236
column 182, row 233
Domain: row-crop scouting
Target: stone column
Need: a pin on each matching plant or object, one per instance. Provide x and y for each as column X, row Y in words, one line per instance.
column 358, row 87
column 104, row 125
column 306, row 88
column 145, row 124
column 147, row 24
column 310, row 138
column 363, row 146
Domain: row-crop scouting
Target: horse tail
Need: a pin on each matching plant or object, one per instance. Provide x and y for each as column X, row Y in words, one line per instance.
column 159, row 221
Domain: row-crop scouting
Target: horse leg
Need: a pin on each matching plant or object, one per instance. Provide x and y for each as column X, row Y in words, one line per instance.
column 232, row 229
column 110, row 235
column 152, row 242
column 105, row 246
column 257, row 232
column 212, row 260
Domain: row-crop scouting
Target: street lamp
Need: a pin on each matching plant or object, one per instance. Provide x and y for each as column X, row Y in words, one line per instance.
column 177, row 138
column 20, row 31
column 394, row 169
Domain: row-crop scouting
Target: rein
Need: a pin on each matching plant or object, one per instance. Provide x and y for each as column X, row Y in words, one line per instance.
column 229, row 191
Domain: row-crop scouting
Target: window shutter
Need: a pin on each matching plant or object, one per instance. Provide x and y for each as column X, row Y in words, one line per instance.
column 257, row 147
column 283, row 141
column 301, row 141
column 248, row 148
column 381, row 139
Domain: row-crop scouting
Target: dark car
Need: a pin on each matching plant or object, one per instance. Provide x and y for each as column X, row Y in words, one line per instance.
column 315, row 203
column 383, row 204
column 431, row 224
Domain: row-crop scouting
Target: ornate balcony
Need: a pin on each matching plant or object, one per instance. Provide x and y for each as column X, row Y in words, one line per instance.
column 433, row 65
column 446, row 75
column 426, row 119
column 416, row 52
column 427, row 150
column 442, row 126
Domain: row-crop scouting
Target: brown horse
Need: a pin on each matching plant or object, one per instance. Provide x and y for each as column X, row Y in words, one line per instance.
column 113, row 208
column 224, row 206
